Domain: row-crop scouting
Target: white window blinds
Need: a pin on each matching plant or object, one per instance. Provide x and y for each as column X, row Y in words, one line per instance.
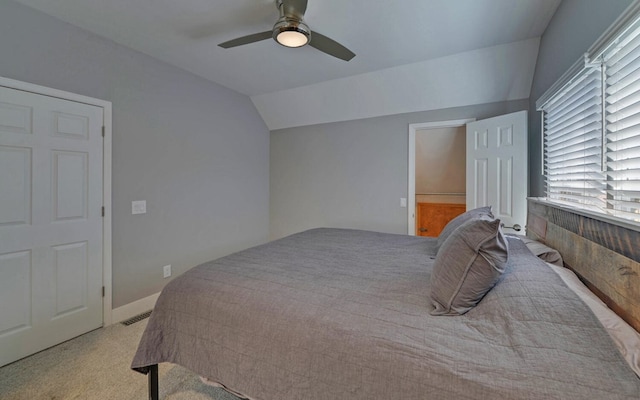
column 592, row 129
column 622, row 113
column 573, row 143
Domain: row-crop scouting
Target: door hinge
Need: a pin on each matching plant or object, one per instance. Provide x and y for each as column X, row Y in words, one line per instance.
column 103, row 131
column 103, row 291
column 103, row 211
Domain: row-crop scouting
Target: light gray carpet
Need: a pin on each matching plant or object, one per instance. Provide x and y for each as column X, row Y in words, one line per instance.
column 95, row 366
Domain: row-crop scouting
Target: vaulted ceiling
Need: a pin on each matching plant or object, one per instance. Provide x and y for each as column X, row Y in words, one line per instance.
column 390, row 39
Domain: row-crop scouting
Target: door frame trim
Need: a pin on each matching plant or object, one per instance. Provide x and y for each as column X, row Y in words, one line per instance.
column 411, row 164
column 106, row 176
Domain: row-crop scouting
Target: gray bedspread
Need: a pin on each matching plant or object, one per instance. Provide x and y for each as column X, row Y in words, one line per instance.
column 333, row 314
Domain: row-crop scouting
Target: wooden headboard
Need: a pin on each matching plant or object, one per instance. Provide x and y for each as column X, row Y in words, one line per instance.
column 606, row 257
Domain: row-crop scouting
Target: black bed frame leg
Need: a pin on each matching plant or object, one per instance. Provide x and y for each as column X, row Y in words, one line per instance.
column 153, row 382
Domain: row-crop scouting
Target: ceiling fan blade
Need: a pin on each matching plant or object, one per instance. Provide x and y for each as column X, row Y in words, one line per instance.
column 256, row 37
column 295, row 8
column 330, row 46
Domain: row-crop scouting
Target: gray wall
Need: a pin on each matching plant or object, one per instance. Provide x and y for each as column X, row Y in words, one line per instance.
column 351, row 174
column 438, row 166
column 197, row 152
column 575, row 26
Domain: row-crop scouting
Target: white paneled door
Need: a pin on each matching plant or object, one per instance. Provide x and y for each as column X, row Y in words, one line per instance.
column 50, row 221
column 497, row 167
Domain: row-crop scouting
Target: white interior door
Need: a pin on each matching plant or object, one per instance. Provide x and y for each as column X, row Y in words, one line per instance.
column 497, row 167
column 50, row 221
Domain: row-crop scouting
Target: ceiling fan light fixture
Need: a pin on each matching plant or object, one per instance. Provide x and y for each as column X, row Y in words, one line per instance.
column 291, row 33
column 292, row 38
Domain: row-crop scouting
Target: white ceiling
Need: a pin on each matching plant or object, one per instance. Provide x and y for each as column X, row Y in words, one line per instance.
column 493, row 74
column 383, row 34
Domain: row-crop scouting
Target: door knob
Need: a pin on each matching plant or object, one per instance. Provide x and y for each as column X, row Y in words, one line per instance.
column 515, row 227
column 422, row 229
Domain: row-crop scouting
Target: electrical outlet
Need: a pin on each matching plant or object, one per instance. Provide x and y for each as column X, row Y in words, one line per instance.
column 166, row 270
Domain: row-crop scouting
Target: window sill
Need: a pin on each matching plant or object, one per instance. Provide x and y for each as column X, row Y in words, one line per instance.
column 610, row 219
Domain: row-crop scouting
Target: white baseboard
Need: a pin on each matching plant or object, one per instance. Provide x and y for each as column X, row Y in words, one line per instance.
column 134, row 308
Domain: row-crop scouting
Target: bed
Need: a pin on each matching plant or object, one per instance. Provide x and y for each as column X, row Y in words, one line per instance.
column 332, row 314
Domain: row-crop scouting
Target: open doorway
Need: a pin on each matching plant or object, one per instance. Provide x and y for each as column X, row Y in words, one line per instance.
column 437, row 176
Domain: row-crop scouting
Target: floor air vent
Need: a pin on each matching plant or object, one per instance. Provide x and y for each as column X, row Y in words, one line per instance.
column 137, row 318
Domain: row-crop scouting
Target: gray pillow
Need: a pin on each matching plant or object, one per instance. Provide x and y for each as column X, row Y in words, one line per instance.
column 461, row 219
column 467, row 266
column 544, row 252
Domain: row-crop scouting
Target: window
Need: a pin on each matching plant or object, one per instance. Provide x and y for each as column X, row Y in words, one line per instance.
column 591, row 129
column 621, row 67
column 573, row 144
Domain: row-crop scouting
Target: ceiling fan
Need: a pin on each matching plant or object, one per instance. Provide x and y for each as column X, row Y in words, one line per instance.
column 291, row 31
